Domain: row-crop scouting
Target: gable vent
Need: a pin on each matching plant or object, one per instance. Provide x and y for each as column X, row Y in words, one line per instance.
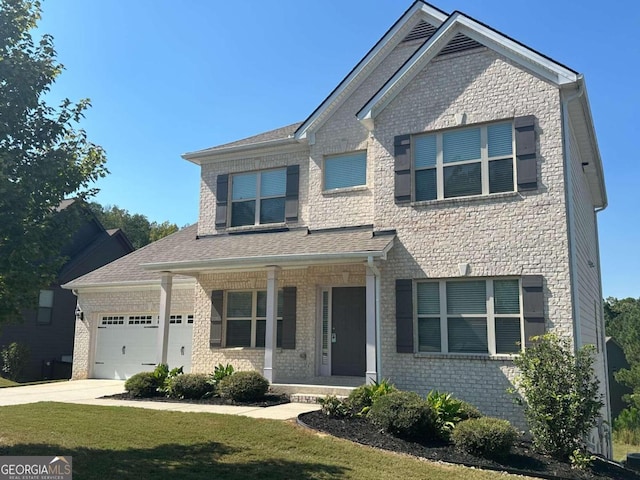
column 459, row 43
column 421, row 30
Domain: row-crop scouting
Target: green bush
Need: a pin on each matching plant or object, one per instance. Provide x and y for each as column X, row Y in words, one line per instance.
column 404, row 414
column 626, row 427
column 143, row 385
column 244, row 386
column 360, row 400
column 332, row 406
column 560, row 389
column 486, row 437
column 467, row 411
column 220, row 372
column 446, row 409
column 163, row 375
column 14, row 358
column 189, row 385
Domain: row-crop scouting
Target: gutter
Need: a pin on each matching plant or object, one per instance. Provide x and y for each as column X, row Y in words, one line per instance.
column 201, row 154
column 376, row 274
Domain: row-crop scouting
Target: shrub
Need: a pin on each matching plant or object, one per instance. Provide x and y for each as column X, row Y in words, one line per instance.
column 244, row 386
column 14, row 358
column 162, row 375
column 446, row 409
column 189, row 385
column 467, row 411
column 220, row 372
column 561, row 396
column 332, row 406
column 486, row 437
column 626, row 427
column 404, row 414
column 360, row 400
column 143, row 384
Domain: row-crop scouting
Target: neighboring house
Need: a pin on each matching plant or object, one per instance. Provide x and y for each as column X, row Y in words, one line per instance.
column 430, row 216
column 49, row 330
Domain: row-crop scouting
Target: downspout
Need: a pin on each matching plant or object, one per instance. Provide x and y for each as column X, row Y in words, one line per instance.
column 376, row 274
column 573, row 262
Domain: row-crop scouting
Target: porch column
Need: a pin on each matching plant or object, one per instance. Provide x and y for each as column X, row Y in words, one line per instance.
column 162, row 343
column 372, row 371
column 272, row 321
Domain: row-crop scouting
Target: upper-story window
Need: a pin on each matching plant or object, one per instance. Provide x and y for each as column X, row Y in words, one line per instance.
column 464, row 162
column 345, row 171
column 45, row 307
column 258, row 197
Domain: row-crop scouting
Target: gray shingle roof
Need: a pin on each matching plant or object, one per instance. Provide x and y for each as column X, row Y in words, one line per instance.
column 184, row 251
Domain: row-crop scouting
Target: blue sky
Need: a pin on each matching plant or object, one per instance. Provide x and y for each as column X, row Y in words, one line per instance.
column 166, row 77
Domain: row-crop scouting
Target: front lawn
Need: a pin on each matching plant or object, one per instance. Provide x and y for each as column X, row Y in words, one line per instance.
column 122, row 442
column 7, row 383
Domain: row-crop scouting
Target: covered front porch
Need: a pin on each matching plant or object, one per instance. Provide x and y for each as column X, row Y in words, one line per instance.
column 302, row 319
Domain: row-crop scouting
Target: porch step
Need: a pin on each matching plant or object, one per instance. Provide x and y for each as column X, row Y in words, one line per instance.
column 309, row 397
column 315, row 391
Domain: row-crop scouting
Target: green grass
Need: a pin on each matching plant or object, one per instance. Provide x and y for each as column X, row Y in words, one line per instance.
column 123, row 442
column 7, row 383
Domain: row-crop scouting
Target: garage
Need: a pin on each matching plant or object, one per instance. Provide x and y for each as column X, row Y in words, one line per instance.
column 126, row 344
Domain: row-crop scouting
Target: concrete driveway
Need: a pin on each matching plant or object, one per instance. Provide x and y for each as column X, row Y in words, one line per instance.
column 89, row 392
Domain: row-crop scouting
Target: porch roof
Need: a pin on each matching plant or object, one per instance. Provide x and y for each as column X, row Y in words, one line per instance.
column 186, row 254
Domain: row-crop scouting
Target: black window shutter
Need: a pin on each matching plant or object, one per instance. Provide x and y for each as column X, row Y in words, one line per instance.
column 289, row 306
column 215, row 332
column 402, row 168
column 526, row 152
column 222, row 199
column 533, row 306
column 292, row 195
column 404, row 316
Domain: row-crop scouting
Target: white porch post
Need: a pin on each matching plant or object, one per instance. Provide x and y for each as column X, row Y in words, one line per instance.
column 372, row 371
column 162, row 343
column 272, row 321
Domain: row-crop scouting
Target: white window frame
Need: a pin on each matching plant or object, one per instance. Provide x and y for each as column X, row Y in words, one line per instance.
column 258, row 198
column 490, row 316
column 336, row 157
column 254, row 316
column 484, row 161
column 44, row 315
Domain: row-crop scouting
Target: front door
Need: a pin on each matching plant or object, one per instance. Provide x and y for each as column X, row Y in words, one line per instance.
column 348, row 331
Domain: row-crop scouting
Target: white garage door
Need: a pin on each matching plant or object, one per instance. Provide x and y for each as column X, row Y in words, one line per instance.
column 126, row 344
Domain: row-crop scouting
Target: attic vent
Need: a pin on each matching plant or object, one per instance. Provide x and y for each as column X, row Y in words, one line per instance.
column 459, row 43
column 421, row 30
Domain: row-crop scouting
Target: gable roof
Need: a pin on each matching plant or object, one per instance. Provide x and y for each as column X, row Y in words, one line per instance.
column 185, row 252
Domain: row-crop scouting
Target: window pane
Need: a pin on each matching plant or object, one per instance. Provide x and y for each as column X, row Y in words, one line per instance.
column 458, row 146
column 429, row 334
column 345, row 171
column 468, row 335
column 428, row 299
column 501, row 176
column 44, row 315
column 273, row 183
column 243, row 213
column 467, row 297
column 262, row 303
column 46, row 298
column 238, row 333
column 508, row 335
column 426, row 188
column 272, row 210
column 462, row 180
column 506, row 296
column 261, row 329
column 499, row 140
column 244, row 186
column 239, row 304
column 425, row 151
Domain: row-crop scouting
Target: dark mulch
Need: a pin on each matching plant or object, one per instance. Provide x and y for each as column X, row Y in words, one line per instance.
column 522, row 458
column 269, row 400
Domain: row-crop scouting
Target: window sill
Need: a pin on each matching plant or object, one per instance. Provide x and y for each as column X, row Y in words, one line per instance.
column 252, row 228
column 346, row 190
column 464, row 200
column 247, row 349
column 465, row 356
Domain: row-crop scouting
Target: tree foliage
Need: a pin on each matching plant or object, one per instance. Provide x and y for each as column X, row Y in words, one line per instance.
column 44, row 158
column 138, row 228
column 561, row 393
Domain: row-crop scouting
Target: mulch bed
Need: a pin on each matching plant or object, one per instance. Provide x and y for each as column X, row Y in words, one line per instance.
column 522, row 459
column 269, row 400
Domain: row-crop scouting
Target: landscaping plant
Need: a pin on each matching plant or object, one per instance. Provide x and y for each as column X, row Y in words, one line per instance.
column 560, row 391
column 243, row 386
column 446, row 409
column 404, row 414
column 332, row 406
column 14, row 359
column 360, row 400
column 142, row 385
column 189, row 386
column 486, row 437
column 220, row 372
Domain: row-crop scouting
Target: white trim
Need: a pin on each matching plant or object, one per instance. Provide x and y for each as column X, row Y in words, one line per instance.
column 129, row 286
column 209, row 155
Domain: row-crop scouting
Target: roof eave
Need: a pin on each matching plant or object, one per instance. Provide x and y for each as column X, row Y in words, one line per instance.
column 127, row 283
column 199, row 156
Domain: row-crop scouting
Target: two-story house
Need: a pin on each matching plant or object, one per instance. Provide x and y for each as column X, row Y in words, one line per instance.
column 431, row 215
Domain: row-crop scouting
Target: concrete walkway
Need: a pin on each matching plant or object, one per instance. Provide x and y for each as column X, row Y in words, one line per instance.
column 88, row 392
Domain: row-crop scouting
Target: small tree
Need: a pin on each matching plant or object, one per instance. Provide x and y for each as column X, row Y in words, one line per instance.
column 14, row 359
column 562, row 401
